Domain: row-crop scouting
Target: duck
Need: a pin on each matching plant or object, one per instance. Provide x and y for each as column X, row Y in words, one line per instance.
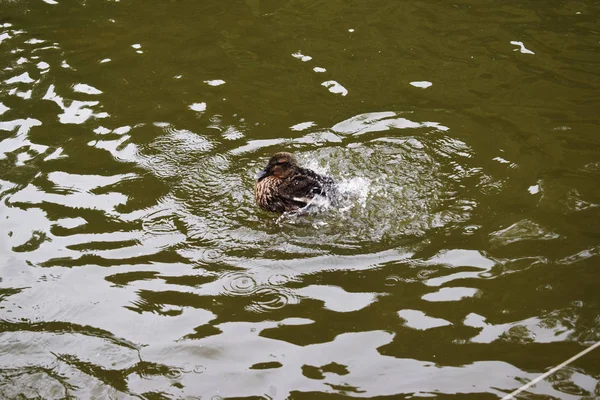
column 283, row 186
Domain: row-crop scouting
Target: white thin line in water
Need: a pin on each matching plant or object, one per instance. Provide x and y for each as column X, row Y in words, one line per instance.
column 553, row 370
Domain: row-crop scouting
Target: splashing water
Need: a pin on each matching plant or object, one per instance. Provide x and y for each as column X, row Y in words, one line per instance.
column 386, row 189
column 349, row 193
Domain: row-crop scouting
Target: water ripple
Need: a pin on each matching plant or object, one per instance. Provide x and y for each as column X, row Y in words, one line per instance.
column 160, row 222
column 267, row 299
column 135, row 263
column 238, row 283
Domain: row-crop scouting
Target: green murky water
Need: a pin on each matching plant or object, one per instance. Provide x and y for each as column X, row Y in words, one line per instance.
column 464, row 260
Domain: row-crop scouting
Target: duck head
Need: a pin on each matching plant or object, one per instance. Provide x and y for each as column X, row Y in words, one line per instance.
column 279, row 166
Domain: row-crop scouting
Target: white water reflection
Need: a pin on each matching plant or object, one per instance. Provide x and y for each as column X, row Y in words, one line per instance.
column 521, row 48
column 421, row 84
column 460, row 257
column 365, row 369
column 70, row 223
column 198, row 107
column 335, row 87
column 87, row 89
column 581, row 256
column 44, row 66
column 520, row 231
column 336, row 298
column 24, row 95
column 301, row 57
column 75, row 113
column 20, row 140
column 453, row 259
column 23, row 78
column 128, row 152
column 31, row 195
column 450, row 294
column 215, row 82
column 379, row 122
column 529, row 330
column 298, row 127
column 160, row 248
column 419, row 320
column 534, row 189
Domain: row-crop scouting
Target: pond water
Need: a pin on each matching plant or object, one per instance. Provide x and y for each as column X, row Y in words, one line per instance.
column 463, row 262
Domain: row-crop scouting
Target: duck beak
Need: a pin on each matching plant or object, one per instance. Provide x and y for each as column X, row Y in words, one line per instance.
column 261, row 175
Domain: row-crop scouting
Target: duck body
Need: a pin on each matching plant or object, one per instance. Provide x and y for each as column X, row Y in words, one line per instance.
column 283, row 186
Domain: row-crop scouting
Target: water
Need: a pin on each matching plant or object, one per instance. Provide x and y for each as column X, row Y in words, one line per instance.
column 461, row 262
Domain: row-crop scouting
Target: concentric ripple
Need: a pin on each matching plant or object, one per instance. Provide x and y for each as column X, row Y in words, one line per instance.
column 238, row 283
column 268, row 299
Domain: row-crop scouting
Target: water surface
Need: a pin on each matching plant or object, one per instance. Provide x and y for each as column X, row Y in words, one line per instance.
column 462, row 263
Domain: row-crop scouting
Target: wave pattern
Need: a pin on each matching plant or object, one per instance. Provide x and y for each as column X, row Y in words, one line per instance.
column 461, row 260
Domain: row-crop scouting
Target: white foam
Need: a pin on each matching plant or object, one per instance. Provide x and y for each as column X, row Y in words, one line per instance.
column 352, row 191
column 356, row 190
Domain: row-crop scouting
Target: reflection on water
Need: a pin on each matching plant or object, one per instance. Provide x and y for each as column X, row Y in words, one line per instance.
column 460, row 260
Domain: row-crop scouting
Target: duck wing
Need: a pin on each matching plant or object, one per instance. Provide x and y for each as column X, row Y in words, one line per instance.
column 300, row 189
column 325, row 185
column 305, row 185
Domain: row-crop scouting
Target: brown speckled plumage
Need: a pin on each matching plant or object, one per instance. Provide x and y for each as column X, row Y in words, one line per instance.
column 284, row 186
